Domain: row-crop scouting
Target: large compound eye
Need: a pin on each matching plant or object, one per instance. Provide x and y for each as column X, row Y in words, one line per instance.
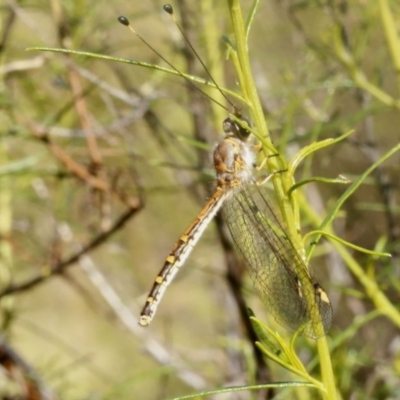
column 229, row 126
column 232, row 127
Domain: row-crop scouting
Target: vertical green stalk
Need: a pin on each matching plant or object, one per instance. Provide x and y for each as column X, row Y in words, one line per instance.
column 249, row 90
column 6, row 255
column 327, row 376
column 391, row 37
column 212, row 46
column 282, row 183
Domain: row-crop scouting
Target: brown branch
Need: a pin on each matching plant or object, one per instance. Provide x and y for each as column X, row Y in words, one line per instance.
column 31, row 386
column 59, row 267
column 63, row 27
column 82, row 111
column 77, row 169
column 73, row 166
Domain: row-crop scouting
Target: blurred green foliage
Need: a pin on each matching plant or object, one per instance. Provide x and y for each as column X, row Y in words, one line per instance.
column 83, row 141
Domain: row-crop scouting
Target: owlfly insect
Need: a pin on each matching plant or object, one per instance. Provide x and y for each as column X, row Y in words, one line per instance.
column 279, row 273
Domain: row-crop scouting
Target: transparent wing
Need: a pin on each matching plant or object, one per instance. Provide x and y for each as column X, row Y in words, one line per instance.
column 279, row 274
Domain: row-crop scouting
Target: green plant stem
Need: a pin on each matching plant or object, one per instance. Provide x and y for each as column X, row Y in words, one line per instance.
column 214, row 64
column 6, row 254
column 140, row 64
column 282, row 182
column 323, row 225
column 358, row 76
column 249, row 88
column 381, row 302
column 327, row 375
column 372, row 289
column 392, row 38
column 345, row 243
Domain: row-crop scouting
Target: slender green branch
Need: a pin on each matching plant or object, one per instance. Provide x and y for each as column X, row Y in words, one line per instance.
column 358, row 76
column 340, row 179
column 346, row 243
column 353, row 187
column 234, row 389
column 250, row 18
column 374, row 292
column 141, row 64
column 6, row 221
column 214, row 64
column 392, row 38
column 282, row 183
column 307, row 150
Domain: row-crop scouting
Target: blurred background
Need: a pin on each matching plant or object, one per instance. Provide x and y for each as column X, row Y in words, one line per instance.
column 104, row 165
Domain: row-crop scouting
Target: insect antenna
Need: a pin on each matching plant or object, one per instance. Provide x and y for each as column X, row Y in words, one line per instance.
column 124, row 21
column 168, row 8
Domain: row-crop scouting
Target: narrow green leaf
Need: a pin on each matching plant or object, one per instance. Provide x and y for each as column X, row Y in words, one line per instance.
column 354, row 186
column 340, row 179
column 141, row 64
column 233, row 389
column 250, row 18
column 348, row 244
column 306, row 151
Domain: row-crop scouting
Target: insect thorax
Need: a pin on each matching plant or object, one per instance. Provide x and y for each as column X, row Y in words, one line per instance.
column 233, row 160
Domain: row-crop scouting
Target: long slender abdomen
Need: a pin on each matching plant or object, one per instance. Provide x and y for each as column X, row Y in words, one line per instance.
column 180, row 253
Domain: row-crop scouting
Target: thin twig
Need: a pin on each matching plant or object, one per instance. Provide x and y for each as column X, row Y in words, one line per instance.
column 32, row 386
column 59, row 267
column 156, row 350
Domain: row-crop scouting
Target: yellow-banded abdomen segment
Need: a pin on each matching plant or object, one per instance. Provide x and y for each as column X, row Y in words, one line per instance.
column 181, row 251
